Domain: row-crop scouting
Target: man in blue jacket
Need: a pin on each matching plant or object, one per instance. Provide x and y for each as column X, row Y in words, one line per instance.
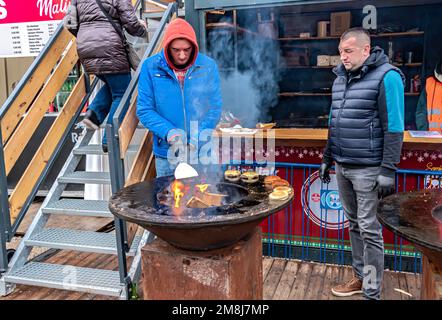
column 179, row 97
column 365, row 137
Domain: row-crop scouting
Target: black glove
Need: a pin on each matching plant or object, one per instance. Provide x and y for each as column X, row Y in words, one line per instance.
column 386, row 185
column 324, row 172
column 175, row 140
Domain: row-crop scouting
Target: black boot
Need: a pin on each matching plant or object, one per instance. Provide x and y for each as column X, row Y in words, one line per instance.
column 104, row 147
column 90, row 120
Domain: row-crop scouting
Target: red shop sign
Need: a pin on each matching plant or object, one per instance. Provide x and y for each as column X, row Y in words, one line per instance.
column 17, row 11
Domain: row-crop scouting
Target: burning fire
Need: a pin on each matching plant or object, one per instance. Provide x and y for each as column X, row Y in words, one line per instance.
column 202, row 187
column 178, row 192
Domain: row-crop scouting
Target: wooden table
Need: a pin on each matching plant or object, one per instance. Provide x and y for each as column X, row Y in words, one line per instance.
column 417, row 217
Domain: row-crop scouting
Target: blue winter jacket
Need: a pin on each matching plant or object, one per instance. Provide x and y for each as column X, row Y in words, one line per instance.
column 163, row 105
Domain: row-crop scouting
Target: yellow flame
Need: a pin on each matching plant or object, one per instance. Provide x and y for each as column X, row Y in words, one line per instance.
column 177, row 189
column 202, row 187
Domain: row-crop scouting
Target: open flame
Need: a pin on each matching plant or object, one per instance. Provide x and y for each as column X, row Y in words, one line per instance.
column 202, row 187
column 178, row 192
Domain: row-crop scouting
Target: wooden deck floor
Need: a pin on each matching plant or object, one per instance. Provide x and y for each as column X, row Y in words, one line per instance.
column 300, row 280
column 283, row 280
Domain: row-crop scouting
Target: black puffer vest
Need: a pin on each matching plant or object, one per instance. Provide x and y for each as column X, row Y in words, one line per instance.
column 356, row 135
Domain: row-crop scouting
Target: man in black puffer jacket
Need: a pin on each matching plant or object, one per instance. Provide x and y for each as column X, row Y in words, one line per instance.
column 102, row 53
column 365, row 137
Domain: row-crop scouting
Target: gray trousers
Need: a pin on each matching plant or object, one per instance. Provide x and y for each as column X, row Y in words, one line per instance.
column 359, row 197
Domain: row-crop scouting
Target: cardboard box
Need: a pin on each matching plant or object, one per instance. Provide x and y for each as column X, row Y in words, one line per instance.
column 323, row 61
column 339, row 22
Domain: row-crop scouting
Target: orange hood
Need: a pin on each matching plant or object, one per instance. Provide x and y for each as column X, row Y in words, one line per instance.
column 179, row 29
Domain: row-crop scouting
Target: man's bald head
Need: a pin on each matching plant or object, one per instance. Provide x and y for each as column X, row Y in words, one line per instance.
column 354, row 48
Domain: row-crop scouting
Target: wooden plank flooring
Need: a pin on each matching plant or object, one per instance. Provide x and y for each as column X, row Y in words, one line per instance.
column 283, row 280
column 301, row 280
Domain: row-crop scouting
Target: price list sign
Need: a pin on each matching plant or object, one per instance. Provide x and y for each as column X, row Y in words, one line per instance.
column 27, row 25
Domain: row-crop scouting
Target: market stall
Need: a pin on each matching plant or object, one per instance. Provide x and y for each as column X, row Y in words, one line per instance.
column 276, row 59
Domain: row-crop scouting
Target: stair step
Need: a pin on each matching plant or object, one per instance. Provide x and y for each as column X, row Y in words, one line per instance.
column 66, row 277
column 83, row 177
column 79, row 207
column 133, row 148
column 79, row 240
column 89, row 149
column 95, row 149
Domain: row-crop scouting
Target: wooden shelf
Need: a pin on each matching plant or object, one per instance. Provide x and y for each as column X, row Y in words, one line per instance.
column 409, row 65
column 303, row 94
column 380, row 35
column 398, row 34
column 227, row 25
column 307, row 67
column 307, row 38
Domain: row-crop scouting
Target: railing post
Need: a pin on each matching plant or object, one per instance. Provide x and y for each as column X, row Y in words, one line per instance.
column 177, row 7
column 87, row 81
column 116, row 163
column 117, row 182
column 5, row 221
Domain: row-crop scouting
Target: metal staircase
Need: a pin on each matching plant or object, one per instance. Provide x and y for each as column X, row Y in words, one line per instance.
column 98, row 281
column 124, row 241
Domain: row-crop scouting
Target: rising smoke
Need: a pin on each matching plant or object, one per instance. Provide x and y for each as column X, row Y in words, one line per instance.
column 249, row 69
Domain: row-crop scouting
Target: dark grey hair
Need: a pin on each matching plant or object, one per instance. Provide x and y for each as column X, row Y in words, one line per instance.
column 359, row 33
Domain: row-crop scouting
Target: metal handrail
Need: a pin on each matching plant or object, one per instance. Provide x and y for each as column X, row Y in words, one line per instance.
column 7, row 230
column 55, row 155
column 116, row 165
column 134, row 82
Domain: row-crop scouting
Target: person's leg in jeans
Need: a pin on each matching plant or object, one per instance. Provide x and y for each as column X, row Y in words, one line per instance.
column 348, row 200
column 163, row 167
column 102, row 101
column 364, row 182
column 117, row 84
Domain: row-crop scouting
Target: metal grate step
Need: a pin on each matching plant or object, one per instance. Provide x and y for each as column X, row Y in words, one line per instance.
column 79, row 240
column 133, row 148
column 89, row 149
column 84, row 177
column 66, row 277
column 95, row 149
column 79, row 207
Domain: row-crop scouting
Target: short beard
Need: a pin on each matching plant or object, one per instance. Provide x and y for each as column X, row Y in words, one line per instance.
column 181, row 66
